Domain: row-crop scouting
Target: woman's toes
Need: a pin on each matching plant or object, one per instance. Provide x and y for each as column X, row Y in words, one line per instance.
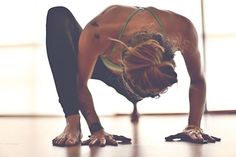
column 71, row 141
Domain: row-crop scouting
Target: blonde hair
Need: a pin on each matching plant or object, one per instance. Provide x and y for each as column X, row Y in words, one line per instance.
column 148, row 68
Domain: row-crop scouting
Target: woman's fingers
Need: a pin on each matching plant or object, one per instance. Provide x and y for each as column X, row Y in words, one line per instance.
column 211, row 139
column 196, row 137
column 189, row 137
column 93, row 142
column 216, row 138
column 111, row 141
column 101, row 141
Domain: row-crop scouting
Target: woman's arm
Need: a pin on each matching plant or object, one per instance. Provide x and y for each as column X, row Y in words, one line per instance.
column 86, row 62
column 87, row 57
column 197, row 89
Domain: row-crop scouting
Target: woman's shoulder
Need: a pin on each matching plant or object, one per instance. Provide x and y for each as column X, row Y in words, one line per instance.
column 115, row 7
column 169, row 14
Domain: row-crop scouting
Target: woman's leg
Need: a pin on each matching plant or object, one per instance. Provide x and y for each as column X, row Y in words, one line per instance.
column 62, row 35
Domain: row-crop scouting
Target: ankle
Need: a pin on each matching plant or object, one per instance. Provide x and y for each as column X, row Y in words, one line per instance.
column 73, row 119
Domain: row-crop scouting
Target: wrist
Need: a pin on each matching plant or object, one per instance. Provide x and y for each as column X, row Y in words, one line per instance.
column 73, row 118
column 194, row 121
column 95, row 127
column 192, row 128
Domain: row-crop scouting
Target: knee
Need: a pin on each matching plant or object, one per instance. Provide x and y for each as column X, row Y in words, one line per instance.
column 57, row 14
column 58, row 10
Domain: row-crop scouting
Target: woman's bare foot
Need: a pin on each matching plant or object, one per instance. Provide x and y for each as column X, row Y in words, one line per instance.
column 71, row 134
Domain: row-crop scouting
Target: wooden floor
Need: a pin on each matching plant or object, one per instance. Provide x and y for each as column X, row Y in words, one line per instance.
column 31, row 137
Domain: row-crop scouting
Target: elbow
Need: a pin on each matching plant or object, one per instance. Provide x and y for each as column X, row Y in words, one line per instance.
column 199, row 82
column 81, row 85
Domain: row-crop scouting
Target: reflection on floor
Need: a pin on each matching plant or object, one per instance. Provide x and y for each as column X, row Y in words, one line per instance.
column 31, row 137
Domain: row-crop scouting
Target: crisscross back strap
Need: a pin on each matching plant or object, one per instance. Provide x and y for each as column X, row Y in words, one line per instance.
column 106, row 59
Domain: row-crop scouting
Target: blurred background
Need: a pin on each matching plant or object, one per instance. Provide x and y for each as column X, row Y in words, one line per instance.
column 26, row 82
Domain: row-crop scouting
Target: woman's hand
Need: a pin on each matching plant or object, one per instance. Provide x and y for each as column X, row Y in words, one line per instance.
column 193, row 134
column 100, row 138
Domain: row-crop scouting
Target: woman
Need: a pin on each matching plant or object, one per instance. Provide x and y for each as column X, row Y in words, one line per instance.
column 129, row 48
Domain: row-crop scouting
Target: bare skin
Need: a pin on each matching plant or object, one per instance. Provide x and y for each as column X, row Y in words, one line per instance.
column 72, row 133
column 182, row 37
column 100, row 138
column 94, row 42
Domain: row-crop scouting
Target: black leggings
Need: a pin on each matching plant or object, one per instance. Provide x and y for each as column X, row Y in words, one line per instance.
column 62, row 36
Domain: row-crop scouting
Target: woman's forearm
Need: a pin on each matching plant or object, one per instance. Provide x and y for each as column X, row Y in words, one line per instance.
column 197, row 95
column 87, row 107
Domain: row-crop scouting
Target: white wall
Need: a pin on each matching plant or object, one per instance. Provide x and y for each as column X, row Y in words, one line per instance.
column 220, row 54
column 26, row 83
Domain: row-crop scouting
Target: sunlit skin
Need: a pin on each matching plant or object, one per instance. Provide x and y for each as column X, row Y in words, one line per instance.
column 94, row 41
column 72, row 132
